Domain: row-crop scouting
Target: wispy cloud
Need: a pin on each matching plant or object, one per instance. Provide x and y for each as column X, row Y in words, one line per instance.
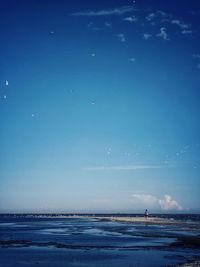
column 162, row 13
column 186, row 32
column 147, row 36
column 181, row 24
column 151, row 16
column 93, row 27
column 122, row 37
column 196, row 56
column 157, row 14
column 184, row 27
column 163, row 34
column 106, row 12
column 122, row 168
column 108, row 24
column 130, row 19
column 165, row 203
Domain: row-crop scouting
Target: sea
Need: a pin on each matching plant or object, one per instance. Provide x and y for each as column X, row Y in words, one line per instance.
column 60, row 240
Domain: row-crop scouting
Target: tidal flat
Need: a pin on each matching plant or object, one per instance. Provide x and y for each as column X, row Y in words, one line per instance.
column 97, row 241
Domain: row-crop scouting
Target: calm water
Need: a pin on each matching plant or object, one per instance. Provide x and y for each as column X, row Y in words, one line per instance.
column 89, row 242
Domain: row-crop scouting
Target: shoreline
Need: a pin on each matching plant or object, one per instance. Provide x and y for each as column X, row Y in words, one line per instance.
column 151, row 220
column 190, row 264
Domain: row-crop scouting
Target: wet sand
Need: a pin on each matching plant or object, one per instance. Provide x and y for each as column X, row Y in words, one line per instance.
column 193, row 264
column 160, row 221
column 151, row 221
column 114, row 240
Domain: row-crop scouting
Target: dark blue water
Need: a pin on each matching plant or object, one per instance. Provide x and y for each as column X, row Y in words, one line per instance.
column 27, row 241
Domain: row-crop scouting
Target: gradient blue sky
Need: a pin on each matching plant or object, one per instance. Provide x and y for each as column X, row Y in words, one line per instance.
column 99, row 105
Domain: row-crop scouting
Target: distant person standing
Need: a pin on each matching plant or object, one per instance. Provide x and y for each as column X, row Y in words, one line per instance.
column 146, row 214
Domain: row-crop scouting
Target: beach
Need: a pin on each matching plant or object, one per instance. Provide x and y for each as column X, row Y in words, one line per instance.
column 192, row 264
column 148, row 220
column 153, row 220
column 161, row 221
column 97, row 240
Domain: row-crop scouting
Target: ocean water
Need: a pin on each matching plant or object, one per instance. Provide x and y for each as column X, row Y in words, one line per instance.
column 80, row 241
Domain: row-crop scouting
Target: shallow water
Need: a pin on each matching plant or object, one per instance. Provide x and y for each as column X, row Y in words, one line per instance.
column 90, row 242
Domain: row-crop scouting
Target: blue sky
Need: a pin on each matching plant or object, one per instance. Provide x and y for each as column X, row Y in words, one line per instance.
column 99, row 106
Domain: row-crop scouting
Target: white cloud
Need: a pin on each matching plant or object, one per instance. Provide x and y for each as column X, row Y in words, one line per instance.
column 181, row 24
column 163, row 34
column 122, row 168
column 147, row 200
column 122, row 37
column 6, row 82
column 130, row 19
column 107, row 12
column 147, row 36
column 167, row 203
